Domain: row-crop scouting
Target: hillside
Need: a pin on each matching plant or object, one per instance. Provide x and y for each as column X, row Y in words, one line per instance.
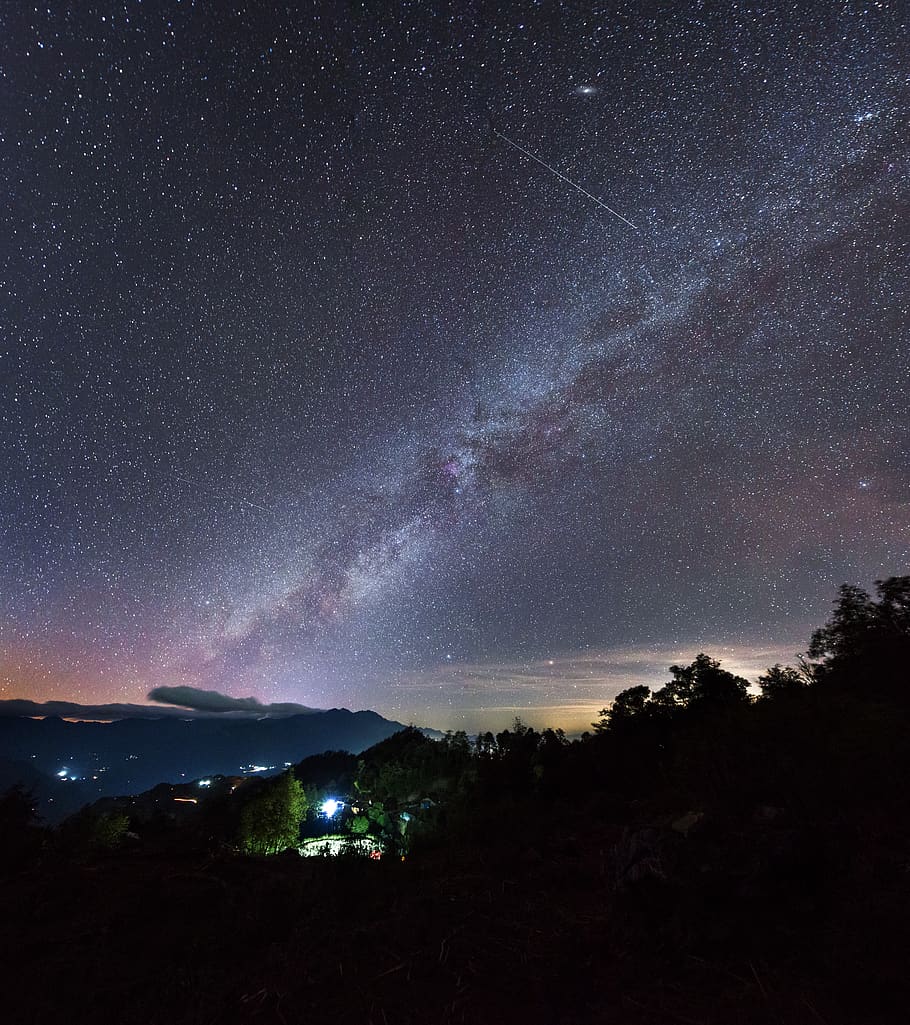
column 101, row 759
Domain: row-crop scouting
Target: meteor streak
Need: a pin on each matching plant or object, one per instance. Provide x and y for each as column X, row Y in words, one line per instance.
column 215, row 491
column 568, row 181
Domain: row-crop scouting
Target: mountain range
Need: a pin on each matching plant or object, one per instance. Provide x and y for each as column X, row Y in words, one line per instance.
column 69, row 763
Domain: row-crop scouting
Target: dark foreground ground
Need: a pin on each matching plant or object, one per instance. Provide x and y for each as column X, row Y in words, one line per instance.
column 642, row 926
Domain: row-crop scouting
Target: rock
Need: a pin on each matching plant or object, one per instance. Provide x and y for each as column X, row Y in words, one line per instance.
column 687, row 821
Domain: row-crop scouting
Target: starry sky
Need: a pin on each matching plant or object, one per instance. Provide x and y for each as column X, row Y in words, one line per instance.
column 323, row 381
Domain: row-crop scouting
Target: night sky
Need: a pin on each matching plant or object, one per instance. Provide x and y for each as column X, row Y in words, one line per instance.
column 315, row 387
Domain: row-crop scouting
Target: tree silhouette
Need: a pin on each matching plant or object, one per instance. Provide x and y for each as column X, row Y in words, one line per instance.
column 485, row 744
column 627, row 705
column 701, row 684
column 779, row 680
column 865, row 646
column 17, row 809
column 21, row 837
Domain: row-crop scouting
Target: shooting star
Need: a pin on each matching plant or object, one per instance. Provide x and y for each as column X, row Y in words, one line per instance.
column 561, row 176
column 214, row 490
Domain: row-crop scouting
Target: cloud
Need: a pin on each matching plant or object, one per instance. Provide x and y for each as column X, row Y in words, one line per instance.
column 171, row 703
column 73, row 710
column 212, row 702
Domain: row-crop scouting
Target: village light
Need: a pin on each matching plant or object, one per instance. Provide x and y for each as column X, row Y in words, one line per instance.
column 329, row 807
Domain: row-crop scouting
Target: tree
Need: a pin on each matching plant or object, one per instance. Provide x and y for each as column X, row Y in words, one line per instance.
column 553, row 740
column 109, row 830
column 22, row 839
column 91, row 830
column 627, row 705
column 485, row 743
column 360, row 824
column 270, row 821
column 18, row 809
column 779, row 680
column 845, row 633
column 519, row 743
column 702, row 684
column 866, row 644
column 458, row 744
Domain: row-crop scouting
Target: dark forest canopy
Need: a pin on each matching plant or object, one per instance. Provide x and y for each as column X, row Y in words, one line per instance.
column 864, row 650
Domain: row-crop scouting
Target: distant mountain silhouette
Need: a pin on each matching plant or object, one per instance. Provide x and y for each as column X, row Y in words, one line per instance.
column 171, row 703
column 77, row 762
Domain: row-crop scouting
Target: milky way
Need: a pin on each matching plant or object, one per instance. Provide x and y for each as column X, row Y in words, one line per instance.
column 312, row 387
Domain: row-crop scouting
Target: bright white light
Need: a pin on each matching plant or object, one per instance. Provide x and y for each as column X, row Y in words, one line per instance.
column 205, row 782
column 329, row 807
column 62, row 773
